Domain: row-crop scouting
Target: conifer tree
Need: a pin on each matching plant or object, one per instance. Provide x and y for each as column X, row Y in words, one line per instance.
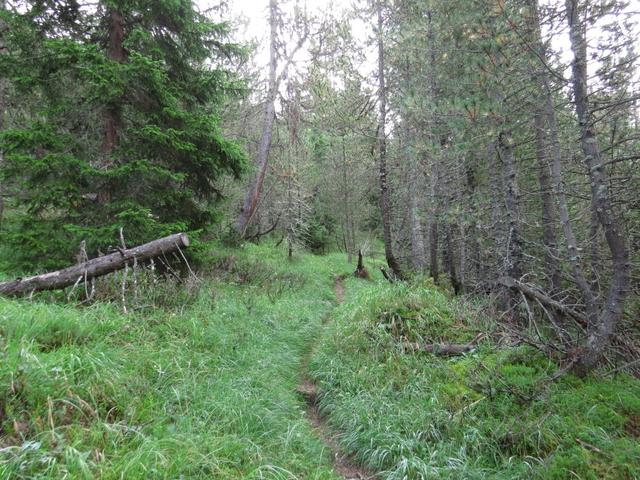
column 122, row 128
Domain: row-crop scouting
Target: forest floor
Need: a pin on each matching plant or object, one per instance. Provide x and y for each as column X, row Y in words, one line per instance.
column 343, row 464
column 258, row 370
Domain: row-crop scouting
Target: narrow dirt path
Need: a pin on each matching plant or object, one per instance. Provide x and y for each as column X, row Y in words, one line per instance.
column 343, row 464
column 340, row 289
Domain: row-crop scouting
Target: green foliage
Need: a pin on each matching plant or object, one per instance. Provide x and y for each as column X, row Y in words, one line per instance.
column 494, row 413
column 161, row 103
column 204, row 389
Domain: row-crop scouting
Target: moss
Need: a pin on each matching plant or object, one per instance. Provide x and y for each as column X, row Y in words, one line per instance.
column 494, row 413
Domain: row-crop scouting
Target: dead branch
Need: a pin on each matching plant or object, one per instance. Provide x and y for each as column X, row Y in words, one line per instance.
column 545, row 300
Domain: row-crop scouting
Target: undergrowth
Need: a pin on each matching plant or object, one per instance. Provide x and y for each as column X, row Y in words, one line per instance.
column 198, row 380
column 494, row 413
column 203, row 388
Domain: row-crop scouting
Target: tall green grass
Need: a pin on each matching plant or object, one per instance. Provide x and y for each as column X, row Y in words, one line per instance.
column 199, row 390
column 493, row 414
column 199, row 381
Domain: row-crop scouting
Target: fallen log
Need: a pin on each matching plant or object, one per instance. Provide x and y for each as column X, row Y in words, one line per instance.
column 96, row 267
column 443, row 349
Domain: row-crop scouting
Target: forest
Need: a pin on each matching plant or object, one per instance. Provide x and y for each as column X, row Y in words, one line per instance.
column 290, row 239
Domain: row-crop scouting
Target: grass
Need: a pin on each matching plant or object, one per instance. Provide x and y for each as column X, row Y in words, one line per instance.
column 494, row 413
column 199, row 381
column 198, row 390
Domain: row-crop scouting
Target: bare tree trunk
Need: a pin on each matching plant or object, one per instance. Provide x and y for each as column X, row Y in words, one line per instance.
column 417, row 238
column 496, row 211
column 3, row 51
column 599, row 331
column 462, row 257
column 511, row 199
column 471, row 233
column 549, row 219
column 255, row 189
column 573, row 254
column 414, row 185
column 349, row 245
column 433, row 224
column 385, row 202
column 95, row 267
column 112, row 113
column 449, row 257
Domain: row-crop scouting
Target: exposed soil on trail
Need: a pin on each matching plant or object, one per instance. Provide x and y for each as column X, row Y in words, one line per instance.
column 340, row 289
column 343, row 464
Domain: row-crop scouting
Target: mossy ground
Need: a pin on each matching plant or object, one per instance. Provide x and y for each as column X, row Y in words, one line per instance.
column 199, row 381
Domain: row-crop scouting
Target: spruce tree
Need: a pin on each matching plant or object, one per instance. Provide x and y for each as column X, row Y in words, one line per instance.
column 119, row 122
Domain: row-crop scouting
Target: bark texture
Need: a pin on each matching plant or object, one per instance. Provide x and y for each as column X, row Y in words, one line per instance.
column 3, row 50
column 95, row 267
column 250, row 203
column 112, row 112
column 413, row 201
column 601, row 327
column 385, row 200
column 512, row 203
column 549, row 220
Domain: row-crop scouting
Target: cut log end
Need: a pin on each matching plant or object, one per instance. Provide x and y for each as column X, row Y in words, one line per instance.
column 184, row 240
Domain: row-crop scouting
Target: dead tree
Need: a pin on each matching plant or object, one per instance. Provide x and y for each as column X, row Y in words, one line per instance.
column 602, row 322
column 250, row 204
column 96, row 267
column 385, row 200
column 361, row 271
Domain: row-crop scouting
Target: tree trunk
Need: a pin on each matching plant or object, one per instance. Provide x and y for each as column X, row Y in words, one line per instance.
column 95, row 267
column 112, row 113
column 361, row 271
column 3, row 51
column 433, row 249
column 512, row 203
column 450, row 259
column 573, row 255
column 434, row 219
column 385, row 201
column 250, row 203
column 348, row 233
column 549, row 219
column 599, row 331
column 462, row 256
column 414, row 185
column 417, row 238
column 496, row 253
